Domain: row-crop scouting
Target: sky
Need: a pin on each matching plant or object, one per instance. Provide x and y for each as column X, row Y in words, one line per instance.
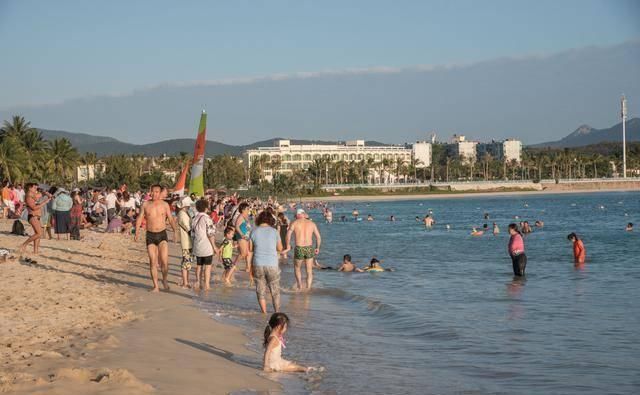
column 63, row 50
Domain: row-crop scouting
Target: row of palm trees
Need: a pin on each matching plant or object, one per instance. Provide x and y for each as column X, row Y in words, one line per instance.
column 535, row 164
column 25, row 155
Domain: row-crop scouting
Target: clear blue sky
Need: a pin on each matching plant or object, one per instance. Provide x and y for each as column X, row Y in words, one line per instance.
column 55, row 50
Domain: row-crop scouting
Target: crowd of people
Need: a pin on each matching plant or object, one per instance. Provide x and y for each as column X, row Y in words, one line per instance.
column 215, row 228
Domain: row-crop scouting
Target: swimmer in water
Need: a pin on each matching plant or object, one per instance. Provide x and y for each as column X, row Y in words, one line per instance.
column 369, row 217
column 317, row 265
column 496, row 230
column 448, row 227
column 417, row 219
column 374, row 266
column 428, row 221
column 348, row 266
column 526, row 228
column 579, row 252
column 629, row 227
column 355, row 213
column 392, row 218
column 485, row 228
column 486, row 215
column 539, row 224
column 475, row 232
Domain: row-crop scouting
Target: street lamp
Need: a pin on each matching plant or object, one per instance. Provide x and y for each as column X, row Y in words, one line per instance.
column 624, row 135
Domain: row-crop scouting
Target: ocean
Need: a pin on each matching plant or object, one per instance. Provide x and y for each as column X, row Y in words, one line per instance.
column 451, row 318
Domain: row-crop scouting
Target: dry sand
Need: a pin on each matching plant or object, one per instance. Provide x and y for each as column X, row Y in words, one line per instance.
column 81, row 321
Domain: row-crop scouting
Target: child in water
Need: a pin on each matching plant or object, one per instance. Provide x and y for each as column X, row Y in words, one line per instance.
column 374, row 266
column 273, row 345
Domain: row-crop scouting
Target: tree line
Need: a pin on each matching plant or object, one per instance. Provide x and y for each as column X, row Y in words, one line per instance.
column 26, row 156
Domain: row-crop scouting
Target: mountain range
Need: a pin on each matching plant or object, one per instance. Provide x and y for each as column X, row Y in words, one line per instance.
column 102, row 145
column 586, row 135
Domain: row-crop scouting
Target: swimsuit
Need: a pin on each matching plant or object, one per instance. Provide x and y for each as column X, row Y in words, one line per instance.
column 304, row 252
column 29, row 216
column 157, row 237
column 243, row 232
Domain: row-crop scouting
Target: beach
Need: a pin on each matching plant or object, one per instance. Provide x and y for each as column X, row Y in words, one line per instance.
column 81, row 320
column 459, row 195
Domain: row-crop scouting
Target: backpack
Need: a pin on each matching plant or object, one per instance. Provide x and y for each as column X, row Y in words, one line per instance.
column 74, row 233
column 18, row 228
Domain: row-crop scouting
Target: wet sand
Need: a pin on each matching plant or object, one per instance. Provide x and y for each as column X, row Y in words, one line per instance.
column 81, row 321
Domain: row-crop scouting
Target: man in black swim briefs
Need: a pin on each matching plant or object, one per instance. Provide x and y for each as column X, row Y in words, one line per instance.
column 156, row 237
column 156, row 212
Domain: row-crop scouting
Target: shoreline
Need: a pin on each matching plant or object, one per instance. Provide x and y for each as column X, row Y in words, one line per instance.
column 457, row 195
column 81, row 320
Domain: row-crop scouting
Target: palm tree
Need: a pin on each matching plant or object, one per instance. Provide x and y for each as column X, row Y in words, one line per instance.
column 12, row 158
column 18, row 127
column 64, row 158
column 486, row 163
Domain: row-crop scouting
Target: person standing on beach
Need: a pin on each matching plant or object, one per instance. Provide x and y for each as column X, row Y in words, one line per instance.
column 579, row 252
column 265, row 246
column 35, row 212
column 304, row 230
column 516, row 251
column 111, row 200
column 156, row 212
column 184, row 225
column 204, row 244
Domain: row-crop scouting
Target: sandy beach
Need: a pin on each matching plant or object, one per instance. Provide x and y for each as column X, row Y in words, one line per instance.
column 427, row 196
column 81, row 321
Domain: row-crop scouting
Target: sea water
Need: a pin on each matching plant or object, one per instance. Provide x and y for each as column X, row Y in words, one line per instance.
column 452, row 318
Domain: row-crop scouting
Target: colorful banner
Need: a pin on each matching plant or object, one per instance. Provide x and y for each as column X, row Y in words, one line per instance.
column 196, row 184
column 182, row 180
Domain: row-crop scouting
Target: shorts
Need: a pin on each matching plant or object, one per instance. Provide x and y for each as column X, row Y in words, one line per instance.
column 187, row 260
column 204, row 260
column 227, row 263
column 157, row 237
column 267, row 276
column 303, row 252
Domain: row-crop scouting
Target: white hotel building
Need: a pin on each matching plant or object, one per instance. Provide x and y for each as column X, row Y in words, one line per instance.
column 301, row 157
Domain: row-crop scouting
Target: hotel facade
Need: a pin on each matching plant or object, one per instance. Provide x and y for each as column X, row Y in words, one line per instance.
column 293, row 157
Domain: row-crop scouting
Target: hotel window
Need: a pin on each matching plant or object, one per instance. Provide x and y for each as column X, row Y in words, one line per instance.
column 335, row 157
column 307, row 157
column 316, row 156
column 360, row 156
column 287, row 158
column 297, row 157
column 345, row 157
column 352, row 157
column 326, row 156
column 376, row 156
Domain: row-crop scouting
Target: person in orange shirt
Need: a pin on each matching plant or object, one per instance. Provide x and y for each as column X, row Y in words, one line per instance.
column 579, row 252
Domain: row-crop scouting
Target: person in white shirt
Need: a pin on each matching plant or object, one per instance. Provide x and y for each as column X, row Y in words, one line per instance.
column 111, row 200
column 184, row 229
column 204, row 243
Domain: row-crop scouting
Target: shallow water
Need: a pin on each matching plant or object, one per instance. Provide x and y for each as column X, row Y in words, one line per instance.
column 451, row 318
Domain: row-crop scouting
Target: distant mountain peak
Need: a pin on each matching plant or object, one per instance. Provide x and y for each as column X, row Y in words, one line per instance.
column 586, row 135
column 582, row 130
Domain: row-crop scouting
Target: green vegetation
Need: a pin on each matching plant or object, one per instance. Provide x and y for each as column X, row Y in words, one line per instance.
column 25, row 156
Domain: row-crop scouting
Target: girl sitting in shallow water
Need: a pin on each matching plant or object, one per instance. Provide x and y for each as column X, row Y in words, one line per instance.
column 273, row 345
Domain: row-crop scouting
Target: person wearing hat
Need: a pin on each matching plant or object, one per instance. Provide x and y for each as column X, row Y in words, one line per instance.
column 304, row 230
